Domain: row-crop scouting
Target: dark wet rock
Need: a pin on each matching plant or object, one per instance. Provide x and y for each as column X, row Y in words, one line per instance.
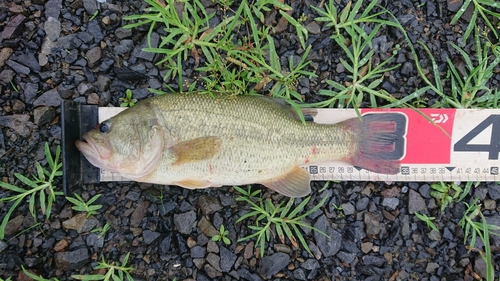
column 124, row 47
column 149, row 236
column 69, row 42
column 348, row 209
column 227, row 259
column 94, row 56
column 494, row 190
column 415, row 202
column 85, row 89
column 123, row 33
column 431, row 267
column 425, row 190
column 198, row 252
column 16, row 122
column 90, row 6
column 247, row 275
column 184, row 222
column 209, row 204
column 373, row 260
column 14, row 27
column 299, row 274
column 6, row 76
column 165, row 244
column 3, row 246
column 166, row 207
column 52, row 29
column 43, row 115
column 81, row 223
column 86, row 37
column 66, row 91
column 5, row 54
column 29, row 60
column 94, row 29
column 133, row 195
column 18, row 68
column 313, row 28
column 106, row 64
column 328, row 246
column 140, row 93
column 346, row 257
column 212, row 247
column 211, row 271
column 435, row 235
column 138, row 50
column 454, row 5
column 103, row 83
column 94, row 240
column 71, row 57
column 489, row 204
column 391, row 203
column 93, row 98
column 53, row 8
column 14, row 225
column 72, row 259
column 125, row 73
column 479, row 266
column 214, row 260
column 372, row 224
column 49, row 98
column 270, row 265
column 362, row 203
column 138, row 215
column 17, row 106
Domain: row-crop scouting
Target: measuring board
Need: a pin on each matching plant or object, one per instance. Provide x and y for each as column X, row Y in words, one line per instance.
column 459, row 145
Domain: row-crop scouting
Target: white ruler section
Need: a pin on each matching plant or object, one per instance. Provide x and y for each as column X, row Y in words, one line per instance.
column 459, row 145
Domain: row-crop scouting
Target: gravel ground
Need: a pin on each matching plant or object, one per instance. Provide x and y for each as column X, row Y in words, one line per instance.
column 54, row 50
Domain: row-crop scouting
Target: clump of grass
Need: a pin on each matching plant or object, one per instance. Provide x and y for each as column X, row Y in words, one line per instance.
column 113, row 272
column 284, row 219
column 365, row 75
column 222, row 236
column 483, row 230
column 428, row 221
column 35, row 277
column 41, row 187
column 481, row 7
column 82, row 206
column 128, row 100
column 445, row 193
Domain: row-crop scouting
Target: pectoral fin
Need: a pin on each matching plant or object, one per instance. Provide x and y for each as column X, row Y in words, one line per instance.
column 193, row 184
column 196, row 149
column 295, row 183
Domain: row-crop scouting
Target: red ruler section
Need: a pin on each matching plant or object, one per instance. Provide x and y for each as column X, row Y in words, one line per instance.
column 427, row 142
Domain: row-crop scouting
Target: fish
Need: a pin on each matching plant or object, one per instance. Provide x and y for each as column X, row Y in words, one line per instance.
column 199, row 141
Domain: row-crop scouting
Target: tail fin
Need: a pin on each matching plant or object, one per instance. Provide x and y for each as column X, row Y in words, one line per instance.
column 381, row 143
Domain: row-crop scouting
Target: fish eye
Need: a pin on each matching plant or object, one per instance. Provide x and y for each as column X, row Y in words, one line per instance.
column 103, row 128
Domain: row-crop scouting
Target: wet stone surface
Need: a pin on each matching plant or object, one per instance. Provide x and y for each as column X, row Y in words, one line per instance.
column 54, row 50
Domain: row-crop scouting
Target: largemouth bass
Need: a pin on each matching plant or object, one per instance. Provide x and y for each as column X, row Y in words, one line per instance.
column 198, row 141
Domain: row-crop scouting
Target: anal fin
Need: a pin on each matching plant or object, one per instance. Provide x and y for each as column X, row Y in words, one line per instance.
column 193, row 184
column 295, row 183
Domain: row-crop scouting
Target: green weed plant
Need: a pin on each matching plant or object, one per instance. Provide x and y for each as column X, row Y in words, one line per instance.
column 285, row 219
column 41, row 187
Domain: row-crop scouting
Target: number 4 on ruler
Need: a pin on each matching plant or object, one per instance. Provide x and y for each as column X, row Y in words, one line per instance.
column 493, row 148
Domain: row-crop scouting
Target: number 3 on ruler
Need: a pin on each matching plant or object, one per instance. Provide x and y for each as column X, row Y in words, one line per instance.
column 493, row 148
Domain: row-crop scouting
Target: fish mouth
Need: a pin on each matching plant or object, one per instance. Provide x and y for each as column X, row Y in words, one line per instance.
column 91, row 151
